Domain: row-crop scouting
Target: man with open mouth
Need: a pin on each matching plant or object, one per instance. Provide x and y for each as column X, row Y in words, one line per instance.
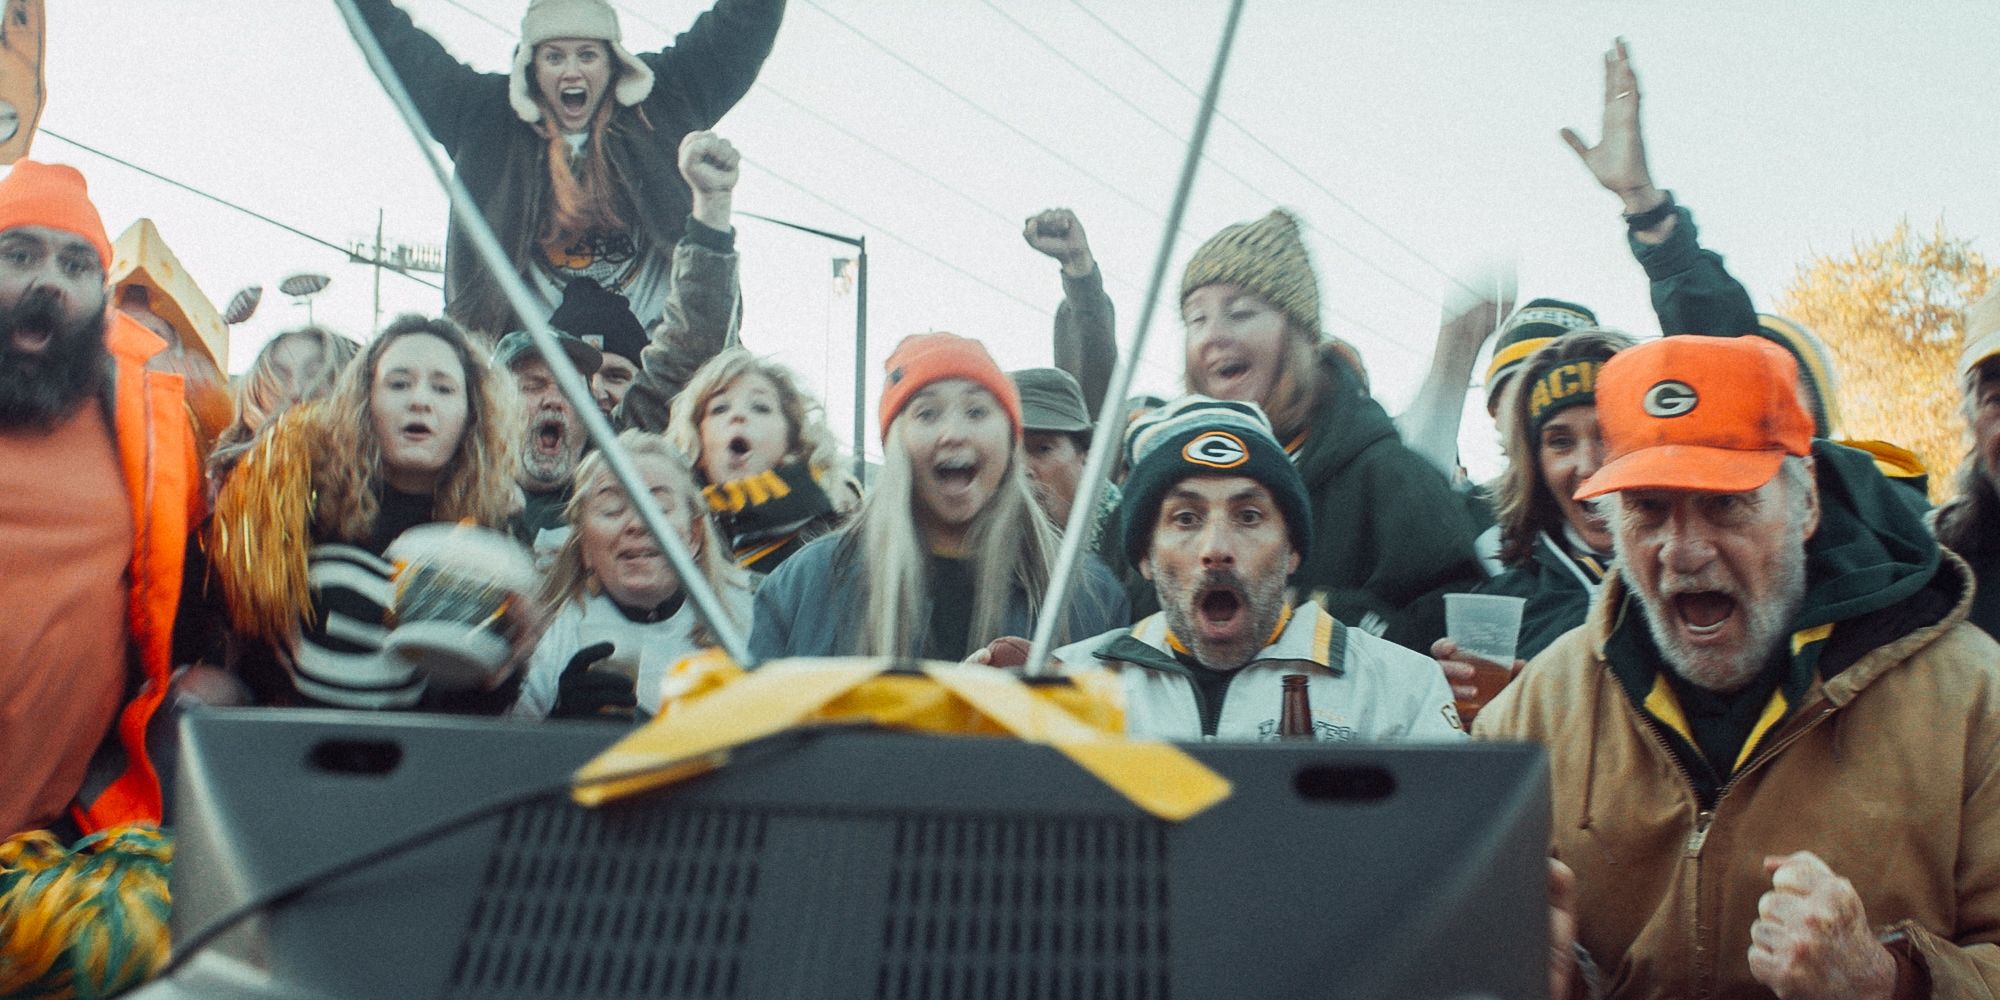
column 1773, row 743
column 552, row 438
column 1216, row 516
column 99, row 485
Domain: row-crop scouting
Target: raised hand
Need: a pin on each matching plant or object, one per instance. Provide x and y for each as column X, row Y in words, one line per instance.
column 1812, row 939
column 709, row 163
column 1058, row 233
column 1618, row 161
column 1474, row 304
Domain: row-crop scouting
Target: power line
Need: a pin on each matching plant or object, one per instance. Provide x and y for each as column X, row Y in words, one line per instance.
column 878, row 149
column 892, row 234
column 1280, row 157
column 497, row 26
column 226, row 203
column 1002, row 122
column 1087, row 74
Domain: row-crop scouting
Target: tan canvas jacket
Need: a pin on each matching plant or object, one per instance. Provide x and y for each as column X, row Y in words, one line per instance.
column 1890, row 772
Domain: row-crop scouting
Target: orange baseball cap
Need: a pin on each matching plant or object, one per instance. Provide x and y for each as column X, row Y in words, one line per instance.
column 1715, row 414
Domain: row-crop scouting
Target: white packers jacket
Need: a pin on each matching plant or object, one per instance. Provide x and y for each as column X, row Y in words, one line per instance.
column 1361, row 687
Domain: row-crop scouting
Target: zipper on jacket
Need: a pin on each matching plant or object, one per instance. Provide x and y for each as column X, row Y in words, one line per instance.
column 1699, row 835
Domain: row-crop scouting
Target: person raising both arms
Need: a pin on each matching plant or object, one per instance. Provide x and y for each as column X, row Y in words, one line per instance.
column 571, row 154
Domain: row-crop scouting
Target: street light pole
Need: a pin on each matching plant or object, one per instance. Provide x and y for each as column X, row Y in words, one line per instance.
column 860, row 244
column 860, row 360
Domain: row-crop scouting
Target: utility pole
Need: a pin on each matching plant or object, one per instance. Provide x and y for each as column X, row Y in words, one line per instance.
column 404, row 257
column 860, row 244
column 378, row 270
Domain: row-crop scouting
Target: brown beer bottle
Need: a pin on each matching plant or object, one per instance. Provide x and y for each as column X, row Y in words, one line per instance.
column 1295, row 710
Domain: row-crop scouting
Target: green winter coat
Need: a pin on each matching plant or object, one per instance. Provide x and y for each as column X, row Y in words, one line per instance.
column 1390, row 536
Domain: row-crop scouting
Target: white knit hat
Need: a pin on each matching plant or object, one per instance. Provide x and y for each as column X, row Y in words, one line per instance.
column 550, row 19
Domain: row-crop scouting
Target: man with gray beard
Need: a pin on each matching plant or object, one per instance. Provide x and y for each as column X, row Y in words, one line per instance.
column 552, row 437
column 1775, row 743
column 1216, row 516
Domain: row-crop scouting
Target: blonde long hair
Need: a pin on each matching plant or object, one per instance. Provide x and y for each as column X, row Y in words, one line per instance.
column 478, row 482
column 1011, row 545
column 263, row 394
column 570, row 580
column 808, row 438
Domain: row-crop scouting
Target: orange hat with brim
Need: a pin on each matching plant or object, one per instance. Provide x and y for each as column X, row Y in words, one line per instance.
column 1713, row 414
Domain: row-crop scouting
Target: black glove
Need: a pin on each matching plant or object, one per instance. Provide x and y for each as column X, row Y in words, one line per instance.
column 583, row 693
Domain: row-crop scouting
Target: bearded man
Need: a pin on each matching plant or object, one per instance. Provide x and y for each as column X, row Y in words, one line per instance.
column 552, row 437
column 99, row 485
column 1775, row 743
column 1216, row 516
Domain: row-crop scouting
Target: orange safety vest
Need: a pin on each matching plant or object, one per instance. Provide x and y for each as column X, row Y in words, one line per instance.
column 163, row 482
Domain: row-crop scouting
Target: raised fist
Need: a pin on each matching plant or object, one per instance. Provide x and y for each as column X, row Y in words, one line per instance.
column 709, row 163
column 1057, row 232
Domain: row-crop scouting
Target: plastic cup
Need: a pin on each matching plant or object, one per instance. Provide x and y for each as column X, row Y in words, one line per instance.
column 1486, row 628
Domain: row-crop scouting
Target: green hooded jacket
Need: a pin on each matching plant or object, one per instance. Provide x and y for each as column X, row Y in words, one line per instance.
column 1390, row 536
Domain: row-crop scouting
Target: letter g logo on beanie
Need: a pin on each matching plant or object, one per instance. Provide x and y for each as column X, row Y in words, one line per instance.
column 1217, row 450
column 1670, row 399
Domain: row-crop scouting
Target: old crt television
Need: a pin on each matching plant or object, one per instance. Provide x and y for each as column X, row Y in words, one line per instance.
column 845, row 863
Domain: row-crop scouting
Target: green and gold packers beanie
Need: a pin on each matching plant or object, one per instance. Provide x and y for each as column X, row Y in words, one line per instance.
column 1200, row 436
column 1524, row 333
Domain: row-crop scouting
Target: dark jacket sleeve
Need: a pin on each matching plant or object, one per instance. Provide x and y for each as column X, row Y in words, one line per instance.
column 201, row 622
column 1086, row 344
column 711, row 65
column 443, row 88
column 699, row 322
column 1692, row 291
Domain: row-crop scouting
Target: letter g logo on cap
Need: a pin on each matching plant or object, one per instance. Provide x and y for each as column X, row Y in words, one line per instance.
column 1669, row 399
column 1217, row 450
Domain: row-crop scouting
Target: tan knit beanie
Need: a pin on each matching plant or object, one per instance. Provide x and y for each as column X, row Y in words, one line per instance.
column 1268, row 258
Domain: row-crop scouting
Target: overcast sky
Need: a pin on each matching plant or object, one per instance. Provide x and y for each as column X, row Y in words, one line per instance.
column 1789, row 128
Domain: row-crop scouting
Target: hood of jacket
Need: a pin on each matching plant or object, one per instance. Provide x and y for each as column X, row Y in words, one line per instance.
column 1871, row 566
column 1345, row 421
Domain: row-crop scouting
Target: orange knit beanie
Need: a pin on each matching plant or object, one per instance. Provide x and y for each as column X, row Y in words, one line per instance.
column 52, row 195
column 924, row 358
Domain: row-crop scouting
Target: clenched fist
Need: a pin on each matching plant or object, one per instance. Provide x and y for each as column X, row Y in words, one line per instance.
column 1812, row 939
column 709, row 163
column 1057, row 232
